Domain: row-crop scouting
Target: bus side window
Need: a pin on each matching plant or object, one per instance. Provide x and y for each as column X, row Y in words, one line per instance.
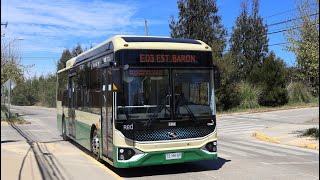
column 65, row 98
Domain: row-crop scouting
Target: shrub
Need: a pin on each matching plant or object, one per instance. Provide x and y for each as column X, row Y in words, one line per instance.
column 248, row 95
column 299, row 92
column 273, row 78
column 313, row 132
column 276, row 96
column 227, row 97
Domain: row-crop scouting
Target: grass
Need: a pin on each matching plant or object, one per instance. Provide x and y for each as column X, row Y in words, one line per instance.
column 312, row 132
column 290, row 105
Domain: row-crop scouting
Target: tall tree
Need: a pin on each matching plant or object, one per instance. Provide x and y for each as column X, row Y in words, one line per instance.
column 11, row 67
column 77, row 50
column 66, row 55
column 303, row 35
column 199, row 19
column 273, row 78
column 249, row 42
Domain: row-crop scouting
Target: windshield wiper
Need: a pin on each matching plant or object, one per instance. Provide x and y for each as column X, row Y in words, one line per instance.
column 160, row 107
column 183, row 102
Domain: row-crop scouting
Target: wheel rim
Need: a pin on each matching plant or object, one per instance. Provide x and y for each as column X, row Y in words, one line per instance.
column 95, row 144
column 63, row 128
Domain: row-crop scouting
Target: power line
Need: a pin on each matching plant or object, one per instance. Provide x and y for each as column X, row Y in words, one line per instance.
column 283, row 30
column 279, row 13
column 266, row 17
column 275, row 44
column 282, row 22
column 289, row 20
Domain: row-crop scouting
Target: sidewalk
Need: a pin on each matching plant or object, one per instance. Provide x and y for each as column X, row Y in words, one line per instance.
column 288, row 134
column 17, row 159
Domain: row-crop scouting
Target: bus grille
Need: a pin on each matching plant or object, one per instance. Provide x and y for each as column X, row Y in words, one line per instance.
column 163, row 134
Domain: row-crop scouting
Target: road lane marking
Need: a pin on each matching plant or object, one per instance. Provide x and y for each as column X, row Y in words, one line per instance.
column 237, row 152
column 261, row 151
column 238, row 128
column 288, row 147
column 272, row 148
column 223, row 155
column 291, row 163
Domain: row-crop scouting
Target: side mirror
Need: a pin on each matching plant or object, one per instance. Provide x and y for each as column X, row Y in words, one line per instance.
column 116, row 79
column 217, row 79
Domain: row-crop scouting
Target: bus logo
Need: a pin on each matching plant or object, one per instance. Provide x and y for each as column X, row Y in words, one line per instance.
column 172, row 135
column 128, row 127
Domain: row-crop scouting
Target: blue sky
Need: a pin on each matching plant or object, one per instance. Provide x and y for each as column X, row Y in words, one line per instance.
column 48, row 27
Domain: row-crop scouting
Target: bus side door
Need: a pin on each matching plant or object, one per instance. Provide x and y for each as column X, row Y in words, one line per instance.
column 106, row 114
column 71, row 109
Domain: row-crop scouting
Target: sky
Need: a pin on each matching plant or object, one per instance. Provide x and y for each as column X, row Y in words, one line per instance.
column 49, row 27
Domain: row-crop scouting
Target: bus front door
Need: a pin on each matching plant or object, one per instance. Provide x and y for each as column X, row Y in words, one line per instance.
column 106, row 114
column 71, row 109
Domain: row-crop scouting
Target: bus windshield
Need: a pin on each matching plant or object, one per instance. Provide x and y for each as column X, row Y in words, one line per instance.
column 143, row 91
column 192, row 93
column 147, row 95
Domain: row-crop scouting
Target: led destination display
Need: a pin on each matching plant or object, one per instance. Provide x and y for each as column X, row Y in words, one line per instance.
column 165, row 58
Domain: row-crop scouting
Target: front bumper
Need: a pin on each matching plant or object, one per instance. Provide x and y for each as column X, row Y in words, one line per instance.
column 159, row 157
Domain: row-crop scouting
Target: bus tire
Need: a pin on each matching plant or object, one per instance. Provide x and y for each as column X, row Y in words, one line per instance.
column 64, row 130
column 95, row 144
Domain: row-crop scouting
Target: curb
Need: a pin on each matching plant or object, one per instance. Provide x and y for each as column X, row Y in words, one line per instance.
column 276, row 141
column 310, row 146
column 266, row 138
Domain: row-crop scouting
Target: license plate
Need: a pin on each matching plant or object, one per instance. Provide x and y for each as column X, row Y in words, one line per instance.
column 170, row 156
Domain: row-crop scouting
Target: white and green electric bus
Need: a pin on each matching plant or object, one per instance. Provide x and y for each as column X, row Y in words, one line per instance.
column 141, row 100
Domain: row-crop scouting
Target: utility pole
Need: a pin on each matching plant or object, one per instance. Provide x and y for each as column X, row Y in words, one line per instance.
column 5, row 24
column 146, row 25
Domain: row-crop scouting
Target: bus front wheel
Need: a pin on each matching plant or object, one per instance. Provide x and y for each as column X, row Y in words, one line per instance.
column 95, row 144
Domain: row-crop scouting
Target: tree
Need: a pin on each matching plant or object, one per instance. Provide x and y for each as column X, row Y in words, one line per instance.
column 77, row 50
column 199, row 19
column 273, row 79
column 11, row 68
column 303, row 35
column 66, row 55
column 227, row 96
column 249, row 42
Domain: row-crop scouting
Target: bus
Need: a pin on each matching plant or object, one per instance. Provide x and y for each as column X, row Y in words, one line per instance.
column 141, row 100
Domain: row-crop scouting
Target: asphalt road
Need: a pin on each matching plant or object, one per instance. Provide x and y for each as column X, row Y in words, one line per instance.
column 36, row 150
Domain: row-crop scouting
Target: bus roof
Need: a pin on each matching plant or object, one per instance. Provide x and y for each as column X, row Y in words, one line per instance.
column 120, row 42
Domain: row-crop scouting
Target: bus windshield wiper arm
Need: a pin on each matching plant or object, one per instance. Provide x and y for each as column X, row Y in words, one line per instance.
column 184, row 104
column 161, row 106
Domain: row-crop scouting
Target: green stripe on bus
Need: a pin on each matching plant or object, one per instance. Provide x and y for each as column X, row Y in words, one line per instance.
column 83, row 131
column 158, row 158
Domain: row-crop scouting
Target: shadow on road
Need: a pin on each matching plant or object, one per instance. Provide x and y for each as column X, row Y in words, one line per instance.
column 46, row 162
column 27, row 114
column 168, row 169
column 198, row 166
column 9, row 141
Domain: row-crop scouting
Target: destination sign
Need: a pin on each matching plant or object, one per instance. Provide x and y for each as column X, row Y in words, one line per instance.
column 178, row 58
column 146, row 72
column 167, row 58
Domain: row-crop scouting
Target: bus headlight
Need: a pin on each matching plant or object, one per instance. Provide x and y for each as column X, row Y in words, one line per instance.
column 211, row 146
column 125, row 153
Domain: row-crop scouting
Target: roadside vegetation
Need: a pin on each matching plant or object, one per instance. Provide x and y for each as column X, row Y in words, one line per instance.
column 253, row 78
column 312, row 132
column 12, row 117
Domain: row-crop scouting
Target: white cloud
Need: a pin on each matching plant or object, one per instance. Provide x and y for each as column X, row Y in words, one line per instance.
column 49, row 27
column 54, row 25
